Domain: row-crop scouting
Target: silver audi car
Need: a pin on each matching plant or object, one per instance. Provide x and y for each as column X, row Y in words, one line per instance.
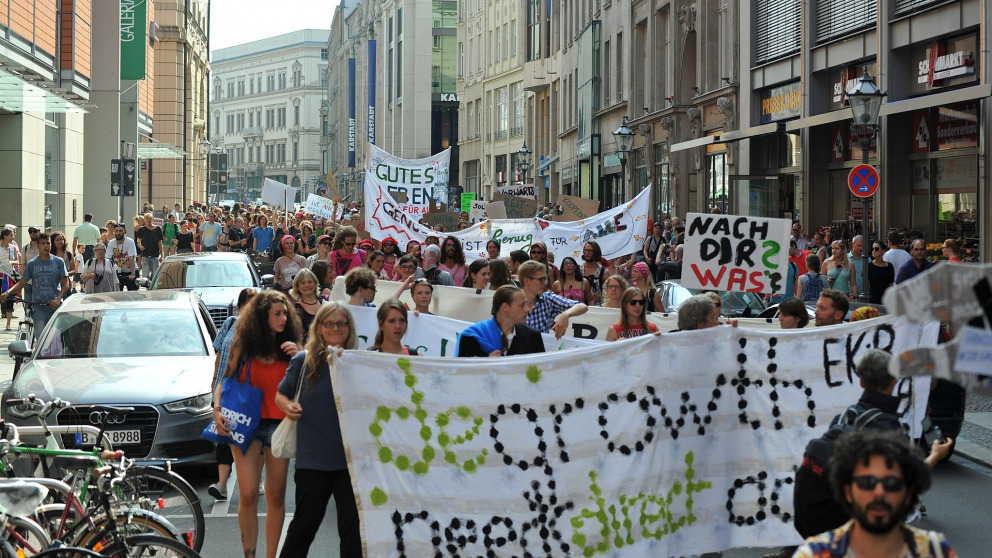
column 150, row 350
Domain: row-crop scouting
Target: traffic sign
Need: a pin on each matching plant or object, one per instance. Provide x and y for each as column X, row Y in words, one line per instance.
column 863, row 181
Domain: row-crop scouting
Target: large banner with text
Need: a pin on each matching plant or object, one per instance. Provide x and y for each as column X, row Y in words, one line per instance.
column 628, row 449
column 419, row 183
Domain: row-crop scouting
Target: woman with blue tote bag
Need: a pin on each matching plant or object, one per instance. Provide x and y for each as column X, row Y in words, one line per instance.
column 268, row 334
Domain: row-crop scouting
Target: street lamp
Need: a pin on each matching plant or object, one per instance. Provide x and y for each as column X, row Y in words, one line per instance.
column 625, row 139
column 866, row 101
column 523, row 161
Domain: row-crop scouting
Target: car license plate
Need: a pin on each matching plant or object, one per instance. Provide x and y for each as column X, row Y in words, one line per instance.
column 117, row 437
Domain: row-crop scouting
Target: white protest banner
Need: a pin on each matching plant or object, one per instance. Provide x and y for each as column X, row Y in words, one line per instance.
column 437, row 336
column 277, row 193
column 320, row 206
column 423, row 181
column 618, row 231
column 477, row 213
column 466, row 305
column 518, row 190
column 597, row 451
column 385, row 217
column 736, row 253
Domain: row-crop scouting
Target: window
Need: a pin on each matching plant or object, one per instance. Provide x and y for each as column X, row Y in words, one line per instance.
column 517, row 124
column 282, row 81
column 534, row 29
column 776, row 29
column 717, row 183
column 230, row 90
column 270, row 153
column 606, row 73
column 470, row 124
column 502, row 113
column 230, row 124
column 241, row 88
column 506, row 41
column 270, row 83
column 258, row 153
column 838, row 17
column 241, row 155
column 217, row 123
column 323, row 54
column 461, row 59
column 296, row 151
column 619, row 67
column 241, row 122
column 251, row 155
column 513, row 38
column 270, row 118
column 251, row 86
column 281, row 153
column 251, row 119
column 281, row 117
column 399, row 70
column 296, row 115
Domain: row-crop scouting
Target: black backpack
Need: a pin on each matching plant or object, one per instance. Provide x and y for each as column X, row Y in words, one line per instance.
column 816, row 511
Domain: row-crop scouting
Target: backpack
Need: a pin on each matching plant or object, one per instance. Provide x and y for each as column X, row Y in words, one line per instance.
column 815, row 508
column 813, row 286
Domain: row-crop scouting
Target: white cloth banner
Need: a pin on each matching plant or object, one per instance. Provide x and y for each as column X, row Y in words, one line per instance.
column 437, row 336
column 320, row 206
column 735, row 253
column 277, row 193
column 636, row 448
column 619, row 231
column 467, row 305
column 423, row 181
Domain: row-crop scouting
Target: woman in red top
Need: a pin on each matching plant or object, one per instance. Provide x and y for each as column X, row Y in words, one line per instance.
column 633, row 321
column 344, row 255
column 268, row 334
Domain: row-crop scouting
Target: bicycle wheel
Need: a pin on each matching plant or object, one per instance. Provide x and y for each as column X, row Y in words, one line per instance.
column 168, row 495
column 94, row 532
column 68, row 552
column 150, row 546
column 26, row 536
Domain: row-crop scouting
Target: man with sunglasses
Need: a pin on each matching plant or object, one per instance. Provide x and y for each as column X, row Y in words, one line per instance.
column 550, row 312
column 878, row 477
column 815, row 505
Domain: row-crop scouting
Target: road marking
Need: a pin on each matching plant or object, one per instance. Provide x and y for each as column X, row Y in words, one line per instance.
column 220, row 507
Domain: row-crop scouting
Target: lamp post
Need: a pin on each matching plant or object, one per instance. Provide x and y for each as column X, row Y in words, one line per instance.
column 866, row 101
column 204, row 151
column 523, row 162
column 625, row 139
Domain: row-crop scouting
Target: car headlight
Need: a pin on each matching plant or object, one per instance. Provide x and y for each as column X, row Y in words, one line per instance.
column 194, row 405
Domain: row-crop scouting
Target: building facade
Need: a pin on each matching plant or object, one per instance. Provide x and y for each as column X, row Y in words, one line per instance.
column 265, row 111
column 46, row 72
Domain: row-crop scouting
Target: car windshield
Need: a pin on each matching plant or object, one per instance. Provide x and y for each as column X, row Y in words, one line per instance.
column 202, row 273
column 734, row 302
column 123, row 332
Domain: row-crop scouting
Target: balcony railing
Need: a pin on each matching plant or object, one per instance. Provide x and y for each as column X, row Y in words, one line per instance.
column 517, row 131
column 251, row 131
column 500, row 134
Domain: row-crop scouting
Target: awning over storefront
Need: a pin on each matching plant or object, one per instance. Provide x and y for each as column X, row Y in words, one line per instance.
column 937, row 99
column 19, row 94
column 159, row 150
column 737, row 135
column 819, row 119
column 698, row 142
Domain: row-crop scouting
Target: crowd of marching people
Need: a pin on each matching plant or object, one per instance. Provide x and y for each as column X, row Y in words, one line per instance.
column 279, row 341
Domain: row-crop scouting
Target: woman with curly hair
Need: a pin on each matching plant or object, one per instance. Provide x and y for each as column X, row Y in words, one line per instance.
column 267, row 336
column 321, row 462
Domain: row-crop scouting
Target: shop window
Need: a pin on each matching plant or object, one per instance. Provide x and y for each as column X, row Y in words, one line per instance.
column 640, row 174
column 717, row 186
column 661, row 191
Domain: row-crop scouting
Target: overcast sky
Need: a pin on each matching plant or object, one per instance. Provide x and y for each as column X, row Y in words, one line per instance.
column 234, row 22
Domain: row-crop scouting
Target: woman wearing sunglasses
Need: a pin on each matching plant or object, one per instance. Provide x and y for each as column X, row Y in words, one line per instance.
column 633, row 318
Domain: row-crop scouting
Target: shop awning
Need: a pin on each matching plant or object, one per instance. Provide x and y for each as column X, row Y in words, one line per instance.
column 698, row 142
column 937, row 99
column 19, row 94
column 819, row 119
column 159, row 150
column 737, row 135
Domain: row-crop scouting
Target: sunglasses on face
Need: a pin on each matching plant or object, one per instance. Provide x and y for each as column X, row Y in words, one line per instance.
column 537, row 252
column 325, row 243
column 349, row 244
column 408, row 267
column 636, row 302
column 889, row 484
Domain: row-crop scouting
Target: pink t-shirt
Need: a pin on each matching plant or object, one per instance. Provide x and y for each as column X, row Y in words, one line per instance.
column 457, row 273
column 343, row 263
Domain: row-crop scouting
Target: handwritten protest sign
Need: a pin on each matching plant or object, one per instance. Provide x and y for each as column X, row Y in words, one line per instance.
column 424, row 181
column 320, row 206
column 477, row 213
column 496, row 210
column 466, row 201
column 574, row 208
column 519, row 190
column 448, row 220
column 517, row 208
column 736, row 253
column 277, row 194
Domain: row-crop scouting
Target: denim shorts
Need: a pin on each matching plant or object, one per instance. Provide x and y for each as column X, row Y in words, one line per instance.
column 266, row 427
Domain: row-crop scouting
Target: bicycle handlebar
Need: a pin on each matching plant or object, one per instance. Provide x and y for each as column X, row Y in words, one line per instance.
column 38, row 407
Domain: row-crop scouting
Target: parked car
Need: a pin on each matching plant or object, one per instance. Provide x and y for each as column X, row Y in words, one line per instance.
column 150, row 350
column 736, row 304
column 217, row 277
column 772, row 311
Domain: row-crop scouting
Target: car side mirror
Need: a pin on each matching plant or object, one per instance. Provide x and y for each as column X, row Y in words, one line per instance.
column 19, row 349
column 268, row 280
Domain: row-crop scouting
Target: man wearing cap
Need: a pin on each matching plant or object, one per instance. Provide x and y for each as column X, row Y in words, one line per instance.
column 86, row 234
column 49, row 280
column 323, row 250
column 123, row 251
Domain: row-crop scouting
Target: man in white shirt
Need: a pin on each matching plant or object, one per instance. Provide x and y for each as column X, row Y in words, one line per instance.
column 86, row 234
column 895, row 255
column 122, row 251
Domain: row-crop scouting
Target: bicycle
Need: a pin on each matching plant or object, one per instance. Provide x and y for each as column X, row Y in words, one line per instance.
column 21, row 536
column 148, row 488
column 25, row 331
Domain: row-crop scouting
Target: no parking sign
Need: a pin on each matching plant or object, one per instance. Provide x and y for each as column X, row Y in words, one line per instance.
column 863, row 181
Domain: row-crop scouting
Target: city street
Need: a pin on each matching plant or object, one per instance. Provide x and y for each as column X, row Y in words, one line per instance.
column 961, row 487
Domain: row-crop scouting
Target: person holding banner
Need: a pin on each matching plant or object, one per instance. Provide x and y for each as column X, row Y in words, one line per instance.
column 408, row 265
column 640, row 277
column 506, row 333
column 413, row 249
column 549, row 312
column 391, row 250
column 593, row 269
column 321, row 462
column 615, row 287
column 492, row 249
column 633, row 317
